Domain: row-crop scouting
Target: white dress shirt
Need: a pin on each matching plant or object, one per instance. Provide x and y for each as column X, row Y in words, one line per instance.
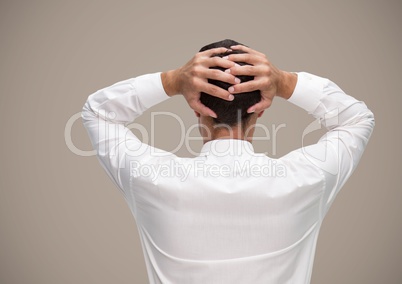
column 228, row 215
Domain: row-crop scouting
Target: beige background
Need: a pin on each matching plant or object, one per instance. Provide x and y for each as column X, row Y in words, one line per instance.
column 62, row 220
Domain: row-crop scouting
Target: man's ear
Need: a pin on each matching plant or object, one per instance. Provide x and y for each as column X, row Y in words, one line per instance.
column 197, row 114
column 260, row 113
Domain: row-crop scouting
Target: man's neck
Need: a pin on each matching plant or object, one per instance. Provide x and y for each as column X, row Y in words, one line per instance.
column 233, row 133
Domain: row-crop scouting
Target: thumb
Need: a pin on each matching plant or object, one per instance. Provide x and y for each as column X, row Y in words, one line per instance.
column 202, row 109
column 260, row 106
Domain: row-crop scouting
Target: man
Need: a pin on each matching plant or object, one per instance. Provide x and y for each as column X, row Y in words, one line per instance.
column 228, row 221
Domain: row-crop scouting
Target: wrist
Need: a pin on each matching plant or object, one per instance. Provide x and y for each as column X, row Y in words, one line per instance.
column 287, row 84
column 170, row 83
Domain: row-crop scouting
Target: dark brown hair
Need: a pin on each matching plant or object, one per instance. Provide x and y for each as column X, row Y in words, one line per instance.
column 230, row 112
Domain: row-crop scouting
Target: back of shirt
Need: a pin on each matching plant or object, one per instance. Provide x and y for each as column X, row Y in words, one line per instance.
column 229, row 215
column 230, row 219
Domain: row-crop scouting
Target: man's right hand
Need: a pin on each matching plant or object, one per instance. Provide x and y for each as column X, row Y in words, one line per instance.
column 192, row 79
column 267, row 78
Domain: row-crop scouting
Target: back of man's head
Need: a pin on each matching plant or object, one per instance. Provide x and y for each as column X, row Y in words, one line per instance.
column 230, row 112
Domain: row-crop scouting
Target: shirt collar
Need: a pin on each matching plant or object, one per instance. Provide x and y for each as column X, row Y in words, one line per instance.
column 225, row 147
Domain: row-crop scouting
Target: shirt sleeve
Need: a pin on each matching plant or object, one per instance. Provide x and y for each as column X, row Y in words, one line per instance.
column 349, row 125
column 106, row 116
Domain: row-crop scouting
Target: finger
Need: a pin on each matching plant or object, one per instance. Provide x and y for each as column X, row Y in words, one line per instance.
column 246, row 49
column 216, row 91
column 219, row 75
column 201, row 108
column 218, row 61
column 214, row 51
column 249, row 70
column 245, row 87
column 245, row 70
column 242, row 48
column 260, row 106
column 244, row 57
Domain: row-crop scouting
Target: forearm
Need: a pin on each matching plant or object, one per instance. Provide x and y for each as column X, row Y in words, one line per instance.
column 349, row 123
column 105, row 115
column 324, row 100
column 123, row 101
column 286, row 84
column 170, row 82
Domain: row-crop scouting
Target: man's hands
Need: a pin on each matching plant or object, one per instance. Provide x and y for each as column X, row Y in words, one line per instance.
column 192, row 79
column 267, row 78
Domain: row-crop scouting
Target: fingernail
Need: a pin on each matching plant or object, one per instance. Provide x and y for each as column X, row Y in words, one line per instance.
column 237, row 64
column 231, row 98
column 231, row 90
column 211, row 115
column 225, row 57
column 237, row 80
column 251, row 111
column 227, row 70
